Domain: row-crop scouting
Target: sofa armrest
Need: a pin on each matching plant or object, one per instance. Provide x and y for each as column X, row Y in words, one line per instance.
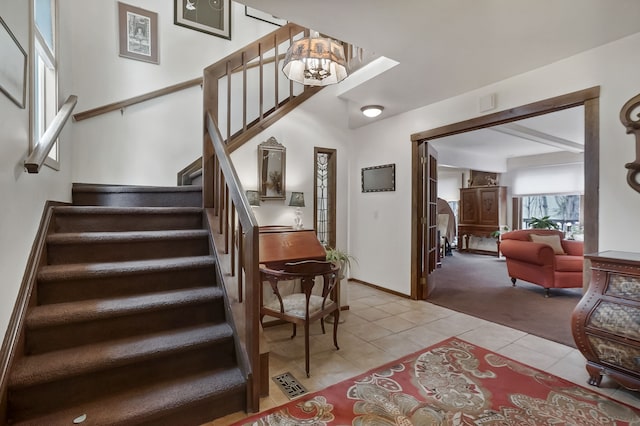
column 572, row 247
column 527, row 251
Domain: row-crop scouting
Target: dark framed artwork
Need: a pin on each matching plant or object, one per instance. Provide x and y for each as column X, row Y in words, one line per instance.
column 379, row 178
column 13, row 66
column 138, row 29
column 263, row 16
column 208, row 16
column 477, row 178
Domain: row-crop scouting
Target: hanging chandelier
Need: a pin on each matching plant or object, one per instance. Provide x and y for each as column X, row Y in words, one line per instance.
column 315, row 61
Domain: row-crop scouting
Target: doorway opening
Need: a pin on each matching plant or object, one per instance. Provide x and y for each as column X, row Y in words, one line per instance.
column 423, row 220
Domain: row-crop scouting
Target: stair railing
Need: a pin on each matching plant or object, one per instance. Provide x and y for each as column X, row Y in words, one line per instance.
column 222, row 191
column 240, row 91
column 239, row 229
column 248, row 89
column 50, row 136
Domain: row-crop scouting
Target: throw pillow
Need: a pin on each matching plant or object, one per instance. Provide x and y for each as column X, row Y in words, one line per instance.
column 551, row 240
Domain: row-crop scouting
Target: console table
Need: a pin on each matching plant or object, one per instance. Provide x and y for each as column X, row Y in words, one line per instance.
column 606, row 322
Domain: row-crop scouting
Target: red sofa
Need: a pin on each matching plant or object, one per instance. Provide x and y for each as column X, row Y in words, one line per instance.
column 538, row 262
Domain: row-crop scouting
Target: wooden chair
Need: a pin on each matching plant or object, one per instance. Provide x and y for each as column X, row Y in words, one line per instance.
column 304, row 308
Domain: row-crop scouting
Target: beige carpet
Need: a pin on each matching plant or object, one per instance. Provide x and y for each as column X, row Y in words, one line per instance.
column 478, row 285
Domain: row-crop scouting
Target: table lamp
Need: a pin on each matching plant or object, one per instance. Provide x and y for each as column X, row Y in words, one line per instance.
column 297, row 201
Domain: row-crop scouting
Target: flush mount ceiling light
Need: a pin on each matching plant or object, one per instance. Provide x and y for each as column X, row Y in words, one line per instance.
column 372, row 110
column 315, row 61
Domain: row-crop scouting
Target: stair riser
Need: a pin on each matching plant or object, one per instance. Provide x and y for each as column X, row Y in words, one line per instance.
column 83, row 252
column 138, row 199
column 58, row 291
column 71, row 391
column 104, row 222
column 76, row 334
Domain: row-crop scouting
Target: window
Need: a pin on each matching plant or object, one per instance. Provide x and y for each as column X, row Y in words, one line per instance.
column 44, row 87
column 564, row 210
column 325, row 196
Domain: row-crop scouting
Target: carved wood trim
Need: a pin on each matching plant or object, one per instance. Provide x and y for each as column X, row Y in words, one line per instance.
column 632, row 126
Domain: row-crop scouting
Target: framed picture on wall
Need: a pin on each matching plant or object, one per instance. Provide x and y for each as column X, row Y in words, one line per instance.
column 208, row 16
column 13, row 67
column 478, row 178
column 138, row 29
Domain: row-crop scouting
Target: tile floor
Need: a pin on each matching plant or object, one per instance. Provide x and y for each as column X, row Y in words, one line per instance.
column 380, row 327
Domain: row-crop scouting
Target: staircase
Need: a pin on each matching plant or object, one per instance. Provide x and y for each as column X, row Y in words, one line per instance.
column 127, row 323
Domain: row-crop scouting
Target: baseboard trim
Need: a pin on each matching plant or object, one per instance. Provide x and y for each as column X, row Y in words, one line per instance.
column 13, row 336
column 377, row 287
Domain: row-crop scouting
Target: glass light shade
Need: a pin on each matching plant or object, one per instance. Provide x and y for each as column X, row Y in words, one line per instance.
column 372, row 111
column 297, row 199
column 254, row 198
column 315, row 61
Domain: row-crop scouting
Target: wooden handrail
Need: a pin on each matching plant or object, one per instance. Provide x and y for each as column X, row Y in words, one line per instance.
column 233, row 207
column 48, row 139
column 137, row 99
column 115, row 106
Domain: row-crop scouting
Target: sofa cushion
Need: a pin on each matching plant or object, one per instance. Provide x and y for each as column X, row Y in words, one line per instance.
column 569, row 263
column 551, row 240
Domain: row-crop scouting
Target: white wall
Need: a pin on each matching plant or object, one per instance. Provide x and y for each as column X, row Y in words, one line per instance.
column 380, row 226
column 150, row 142
column 449, row 184
column 23, row 195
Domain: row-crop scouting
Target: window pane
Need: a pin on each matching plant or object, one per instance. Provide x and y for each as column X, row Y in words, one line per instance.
column 322, row 203
column 44, row 20
column 38, row 113
column 563, row 210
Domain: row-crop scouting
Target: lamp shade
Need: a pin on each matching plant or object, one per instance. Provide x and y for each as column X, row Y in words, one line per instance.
column 315, row 61
column 254, row 198
column 297, row 199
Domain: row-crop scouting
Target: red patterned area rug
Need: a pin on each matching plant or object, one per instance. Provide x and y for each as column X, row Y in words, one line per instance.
column 451, row 383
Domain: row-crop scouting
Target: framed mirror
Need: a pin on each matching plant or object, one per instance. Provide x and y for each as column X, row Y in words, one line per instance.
column 379, row 178
column 271, row 170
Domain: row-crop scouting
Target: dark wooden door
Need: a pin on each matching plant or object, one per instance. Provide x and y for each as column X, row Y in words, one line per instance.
column 429, row 220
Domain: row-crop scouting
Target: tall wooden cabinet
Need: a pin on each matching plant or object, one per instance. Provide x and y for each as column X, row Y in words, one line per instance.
column 482, row 210
column 606, row 322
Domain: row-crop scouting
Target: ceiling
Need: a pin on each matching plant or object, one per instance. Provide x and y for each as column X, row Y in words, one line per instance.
column 561, row 131
column 446, row 48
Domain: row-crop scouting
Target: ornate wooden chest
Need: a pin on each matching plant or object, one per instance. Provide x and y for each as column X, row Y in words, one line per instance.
column 606, row 322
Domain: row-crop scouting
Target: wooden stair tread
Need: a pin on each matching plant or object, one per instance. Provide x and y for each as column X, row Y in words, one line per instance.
column 94, row 309
column 82, row 270
column 126, row 323
column 123, row 236
column 87, row 187
column 134, row 406
column 86, row 210
column 57, row 365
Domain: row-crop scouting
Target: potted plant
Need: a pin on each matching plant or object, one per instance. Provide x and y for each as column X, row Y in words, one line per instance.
column 497, row 233
column 542, row 223
column 341, row 257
